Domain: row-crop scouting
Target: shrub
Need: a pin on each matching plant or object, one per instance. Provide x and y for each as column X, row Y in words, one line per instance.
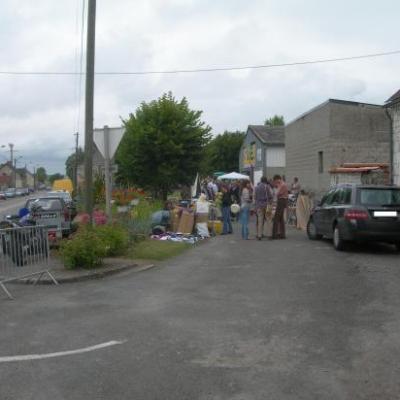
column 114, row 237
column 85, row 250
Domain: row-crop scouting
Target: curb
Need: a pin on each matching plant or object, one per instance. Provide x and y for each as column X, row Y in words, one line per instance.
column 87, row 276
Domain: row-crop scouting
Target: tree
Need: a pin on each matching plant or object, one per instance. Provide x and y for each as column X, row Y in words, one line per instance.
column 41, row 175
column 276, row 120
column 163, row 145
column 54, row 177
column 72, row 161
column 222, row 153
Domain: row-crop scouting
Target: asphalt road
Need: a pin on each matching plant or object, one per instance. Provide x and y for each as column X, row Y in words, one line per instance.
column 230, row 319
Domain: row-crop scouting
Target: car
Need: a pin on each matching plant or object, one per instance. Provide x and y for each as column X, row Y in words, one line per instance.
column 3, row 196
column 10, row 193
column 19, row 192
column 354, row 212
column 52, row 212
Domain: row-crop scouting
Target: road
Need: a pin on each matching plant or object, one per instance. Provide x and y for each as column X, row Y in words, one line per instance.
column 229, row 319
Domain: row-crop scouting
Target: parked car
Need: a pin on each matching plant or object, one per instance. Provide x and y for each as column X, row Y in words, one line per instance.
column 351, row 212
column 19, row 192
column 3, row 196
column 52, row 212
column 10, row 193
column 25, row 191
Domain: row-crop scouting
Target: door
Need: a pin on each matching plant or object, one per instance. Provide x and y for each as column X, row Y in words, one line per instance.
column 320, row 211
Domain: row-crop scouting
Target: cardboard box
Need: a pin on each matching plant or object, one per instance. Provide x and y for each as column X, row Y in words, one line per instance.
column 186, row 222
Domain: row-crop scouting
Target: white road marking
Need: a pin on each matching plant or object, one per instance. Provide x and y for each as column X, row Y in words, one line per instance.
column 30, row 357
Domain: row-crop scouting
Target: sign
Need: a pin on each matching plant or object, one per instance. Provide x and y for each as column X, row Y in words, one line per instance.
column 114, row 137
column 249, row 155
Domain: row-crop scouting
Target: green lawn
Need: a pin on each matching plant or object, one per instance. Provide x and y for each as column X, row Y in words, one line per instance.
column 157, row 250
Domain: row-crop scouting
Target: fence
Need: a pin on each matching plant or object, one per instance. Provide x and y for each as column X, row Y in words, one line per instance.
column 24, row 252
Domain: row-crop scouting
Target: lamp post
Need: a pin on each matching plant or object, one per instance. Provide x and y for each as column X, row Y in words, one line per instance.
column 15, row 170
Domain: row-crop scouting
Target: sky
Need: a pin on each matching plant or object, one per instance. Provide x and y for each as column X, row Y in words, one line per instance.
column 40, row 114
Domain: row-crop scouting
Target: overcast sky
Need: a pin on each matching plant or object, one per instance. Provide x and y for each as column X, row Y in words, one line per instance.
column 39, row 114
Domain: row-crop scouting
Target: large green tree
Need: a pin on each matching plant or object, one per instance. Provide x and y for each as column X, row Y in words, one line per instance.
column 163, row 145
column 222, row 152
column 72, row 161
column 276, row 120
column 41, row 175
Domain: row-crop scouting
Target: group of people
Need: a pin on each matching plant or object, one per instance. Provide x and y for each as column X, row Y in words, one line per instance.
column 262, row 197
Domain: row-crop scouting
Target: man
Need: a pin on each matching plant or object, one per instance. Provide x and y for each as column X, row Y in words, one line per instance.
column 282, row 193
column 263, row 198
column 295, row 187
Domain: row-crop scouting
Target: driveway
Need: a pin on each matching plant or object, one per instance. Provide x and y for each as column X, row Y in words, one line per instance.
column 230, row 319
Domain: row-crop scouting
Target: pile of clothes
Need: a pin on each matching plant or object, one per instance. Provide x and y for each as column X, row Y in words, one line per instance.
column 178, row 237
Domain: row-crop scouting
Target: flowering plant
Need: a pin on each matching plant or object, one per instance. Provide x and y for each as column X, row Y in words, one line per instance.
column 123, row 197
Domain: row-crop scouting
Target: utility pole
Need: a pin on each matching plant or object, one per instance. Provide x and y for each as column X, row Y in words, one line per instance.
column 89, row 96
column 107, row 172
column 76, row 162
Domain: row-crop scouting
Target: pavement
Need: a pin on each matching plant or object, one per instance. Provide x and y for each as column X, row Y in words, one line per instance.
column 230, row 319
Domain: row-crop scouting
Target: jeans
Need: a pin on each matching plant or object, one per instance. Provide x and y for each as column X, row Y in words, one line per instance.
column 244, row 220
column 226, row 217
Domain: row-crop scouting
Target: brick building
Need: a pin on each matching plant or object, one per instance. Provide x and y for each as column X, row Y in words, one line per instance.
column 331, row 134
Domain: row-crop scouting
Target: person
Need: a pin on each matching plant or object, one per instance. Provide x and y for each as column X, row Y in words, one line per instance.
column 210, row 190
column 295, row 187
column 226, row 210
column 282, row 193
column 245, row 201
column 235, row 196
column 263, row 198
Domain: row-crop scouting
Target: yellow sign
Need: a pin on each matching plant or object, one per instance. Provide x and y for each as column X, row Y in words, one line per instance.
column 249, row 155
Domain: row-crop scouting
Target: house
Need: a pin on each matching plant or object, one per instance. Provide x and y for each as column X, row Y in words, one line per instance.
column 26, row 178
column 393, row 107
column 15, row 177
column 332, row 134
column 263, row 152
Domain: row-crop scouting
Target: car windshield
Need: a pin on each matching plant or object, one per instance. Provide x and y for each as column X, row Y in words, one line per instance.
column 382, row 197
column 64, row 195
column 46, row 204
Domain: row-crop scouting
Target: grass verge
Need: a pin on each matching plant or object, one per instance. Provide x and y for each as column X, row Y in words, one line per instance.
column 157, row 250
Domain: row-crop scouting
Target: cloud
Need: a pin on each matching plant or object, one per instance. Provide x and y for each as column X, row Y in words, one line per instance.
column 39, row 114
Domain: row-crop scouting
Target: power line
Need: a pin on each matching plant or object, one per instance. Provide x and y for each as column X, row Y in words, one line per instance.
column 197, row 70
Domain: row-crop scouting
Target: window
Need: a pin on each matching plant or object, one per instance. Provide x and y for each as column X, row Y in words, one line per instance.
column 327, row 199
column 380, row 197
column 320, row 162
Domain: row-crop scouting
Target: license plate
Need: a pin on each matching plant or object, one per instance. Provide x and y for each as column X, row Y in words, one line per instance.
column 385, row 214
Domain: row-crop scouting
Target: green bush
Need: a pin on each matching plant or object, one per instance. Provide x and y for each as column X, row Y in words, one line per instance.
column 114, row 237
column 84, row 250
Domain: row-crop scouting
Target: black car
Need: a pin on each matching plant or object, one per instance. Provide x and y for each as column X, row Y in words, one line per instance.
column 351, row 212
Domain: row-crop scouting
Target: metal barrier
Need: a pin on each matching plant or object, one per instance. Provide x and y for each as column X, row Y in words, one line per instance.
column 24, row 252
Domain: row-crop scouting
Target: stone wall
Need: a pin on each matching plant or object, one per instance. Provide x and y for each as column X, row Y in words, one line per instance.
column 395, row 111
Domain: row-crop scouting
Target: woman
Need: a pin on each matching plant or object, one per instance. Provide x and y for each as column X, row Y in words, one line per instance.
column 226, row 210
column 245, row 201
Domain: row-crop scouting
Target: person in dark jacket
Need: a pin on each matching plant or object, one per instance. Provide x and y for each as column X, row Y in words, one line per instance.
column 226, row 210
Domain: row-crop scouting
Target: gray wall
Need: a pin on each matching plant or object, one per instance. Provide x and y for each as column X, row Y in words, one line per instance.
column 345, row 132
column 359, row 133
column 304, row 138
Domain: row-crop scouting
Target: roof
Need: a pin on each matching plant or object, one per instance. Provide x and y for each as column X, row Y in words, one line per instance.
column 269, row 134
column 395, row 98
column 336, row 101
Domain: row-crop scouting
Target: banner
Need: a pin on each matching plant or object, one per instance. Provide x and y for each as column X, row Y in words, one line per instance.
column 249, row 155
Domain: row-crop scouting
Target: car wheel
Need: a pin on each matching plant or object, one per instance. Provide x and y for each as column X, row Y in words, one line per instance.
column 312, row 231
column 338, row 242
